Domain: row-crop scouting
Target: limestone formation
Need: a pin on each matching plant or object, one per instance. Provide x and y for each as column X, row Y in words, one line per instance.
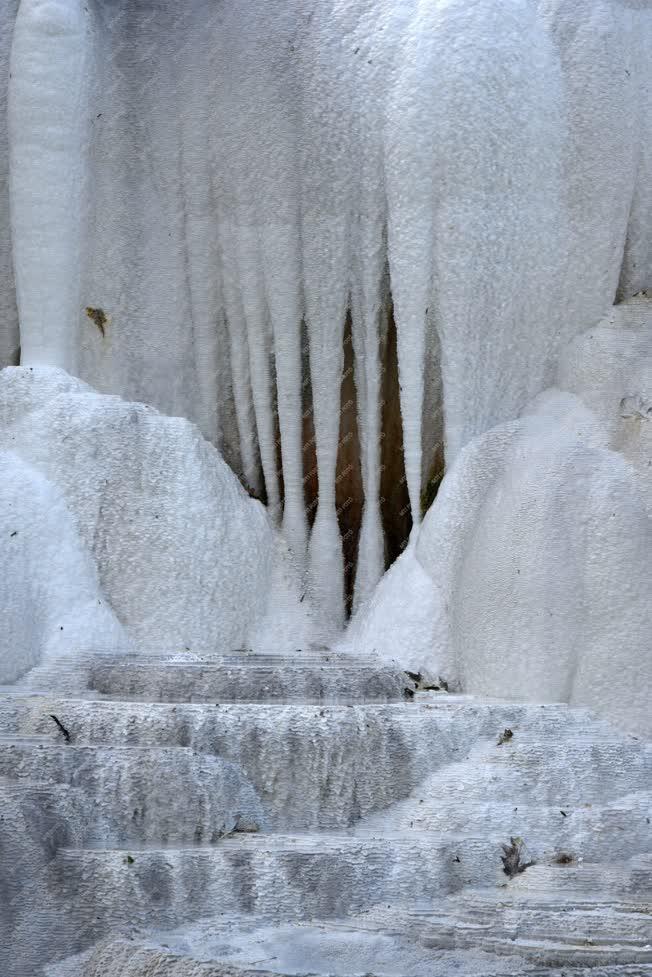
column 325, row 488
column 336, row 828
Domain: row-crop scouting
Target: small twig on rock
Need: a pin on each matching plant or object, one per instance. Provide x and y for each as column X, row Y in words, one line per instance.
column 64, row 731
column 512, row 860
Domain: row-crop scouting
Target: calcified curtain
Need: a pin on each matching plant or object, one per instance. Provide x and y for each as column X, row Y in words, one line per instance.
column 195, row 187
column 9, row 341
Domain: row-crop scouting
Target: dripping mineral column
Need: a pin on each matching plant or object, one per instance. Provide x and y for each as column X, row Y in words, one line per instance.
column 239, row 348
column 259, row 338
column 326, row 299
column 283, row 281
column 411, row 287
column 409, row 148
column 366, row 302
column 50, row 94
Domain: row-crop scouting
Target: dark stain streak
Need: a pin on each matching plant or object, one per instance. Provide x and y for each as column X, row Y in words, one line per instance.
column 99, row 317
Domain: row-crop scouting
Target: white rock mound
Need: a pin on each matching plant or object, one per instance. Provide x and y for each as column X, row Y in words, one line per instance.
column 537, row 546
column 51, row 598
column 186, row 559
column 189, row 191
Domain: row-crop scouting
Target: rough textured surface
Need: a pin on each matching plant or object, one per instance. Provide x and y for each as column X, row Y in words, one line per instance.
column 192, row 182
column 218, row 210
column 537, row 545
column 326, row 950
column 301, row 676
column 186, row 560
column 227, row 838
column 126, row 791
column 50, row 592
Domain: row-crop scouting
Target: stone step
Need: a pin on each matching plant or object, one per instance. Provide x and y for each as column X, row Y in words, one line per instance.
column 227, row 946
column 150, row 781
column 576, row 773
column 631, row 812
column 642, row 872
column 588, row 832
column 598, row 924
column 141, row 795
column 562, row 775
column 236, row 677
column 311, row 875
column 327, row 766
column 526, row 793
column 124, row 794
column 279, row 876
column 591, row 929
column 589, row 881
column 531, row 754
column 311, row 766
column 26, row 712
column 35, row 821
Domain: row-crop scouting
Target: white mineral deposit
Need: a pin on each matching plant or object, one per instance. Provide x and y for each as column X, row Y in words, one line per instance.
column 325, row 488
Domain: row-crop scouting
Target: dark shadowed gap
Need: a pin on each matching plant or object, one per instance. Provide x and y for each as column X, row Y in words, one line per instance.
column 349, row 496
column 394, row 502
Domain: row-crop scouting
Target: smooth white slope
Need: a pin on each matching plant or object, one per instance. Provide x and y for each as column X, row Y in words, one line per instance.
column 187, row 560
column 9, row 339
column 604, row 54
column 52, row 601
column 369, row 291
column 538, row 542
column 552, row 602
column 253, row 167
column 52, row 77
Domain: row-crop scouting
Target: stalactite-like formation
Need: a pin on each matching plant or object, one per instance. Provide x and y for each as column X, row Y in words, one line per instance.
column 219, row 178
column 49, row 125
